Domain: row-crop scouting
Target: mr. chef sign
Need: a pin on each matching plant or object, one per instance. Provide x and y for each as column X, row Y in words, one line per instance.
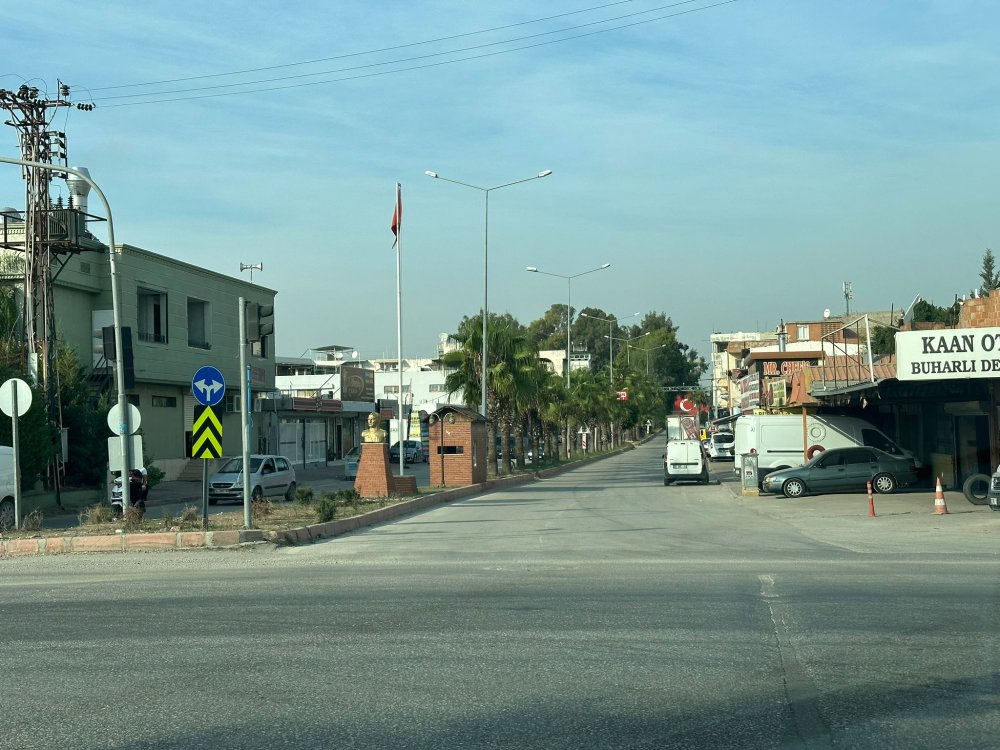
column 948, row 354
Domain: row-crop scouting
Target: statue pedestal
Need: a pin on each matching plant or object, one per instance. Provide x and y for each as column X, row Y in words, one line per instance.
column 374, row 477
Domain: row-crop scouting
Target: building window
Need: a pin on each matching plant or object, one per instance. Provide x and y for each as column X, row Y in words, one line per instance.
column 199, row 323
column 395, row 389
column 169, row 402
column 152, row 315
column 437, row 388
column 802, row 333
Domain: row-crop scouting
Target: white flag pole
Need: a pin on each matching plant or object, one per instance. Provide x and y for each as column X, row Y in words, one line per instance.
column 399, row 324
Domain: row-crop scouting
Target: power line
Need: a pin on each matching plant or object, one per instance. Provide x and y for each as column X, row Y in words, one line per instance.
column 359, row 54
column 412, row 67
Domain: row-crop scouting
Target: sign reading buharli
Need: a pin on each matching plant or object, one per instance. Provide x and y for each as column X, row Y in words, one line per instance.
column 948, row 354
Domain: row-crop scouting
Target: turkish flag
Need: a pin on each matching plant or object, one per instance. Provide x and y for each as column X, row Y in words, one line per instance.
column 397, row 215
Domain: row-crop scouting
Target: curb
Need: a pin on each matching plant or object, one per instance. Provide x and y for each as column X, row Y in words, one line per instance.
column 185, row 540
column 154, row 542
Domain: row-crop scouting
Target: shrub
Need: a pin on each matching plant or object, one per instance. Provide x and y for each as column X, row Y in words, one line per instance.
column 304, row 495
column 191, row 514
column 96, row 514
column 132, row 521
column 326, row 509
column 32, row 521
column 261, row 509
column 349, row 497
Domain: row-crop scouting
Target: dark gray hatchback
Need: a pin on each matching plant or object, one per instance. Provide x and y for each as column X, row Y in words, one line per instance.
column 843, row 469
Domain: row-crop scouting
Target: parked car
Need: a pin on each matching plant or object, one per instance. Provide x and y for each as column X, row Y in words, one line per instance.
column 414, row 452
column 843, row 469
column 720, row 446
column 270, row 476
column 351, row 460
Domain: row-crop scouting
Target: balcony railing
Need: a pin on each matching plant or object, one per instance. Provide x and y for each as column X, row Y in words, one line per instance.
column 156, row 338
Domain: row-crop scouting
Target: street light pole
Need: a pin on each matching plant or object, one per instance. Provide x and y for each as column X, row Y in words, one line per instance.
column 486, row 258
column 569, row 302
column 628, row 350
column 652, row 349
column 611, row 341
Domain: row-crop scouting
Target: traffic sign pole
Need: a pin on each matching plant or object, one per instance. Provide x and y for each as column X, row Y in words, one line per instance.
column 244, row 421
column 17, row 459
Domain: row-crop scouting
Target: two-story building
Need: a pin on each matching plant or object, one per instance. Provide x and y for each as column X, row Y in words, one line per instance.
column 180, row 317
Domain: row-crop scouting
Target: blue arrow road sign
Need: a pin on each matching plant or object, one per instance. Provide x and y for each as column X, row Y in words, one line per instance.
column 208, row 386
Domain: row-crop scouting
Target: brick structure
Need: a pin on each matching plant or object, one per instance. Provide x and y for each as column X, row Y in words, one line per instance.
column 374, row 478
column 981, row 312
column 457, row 440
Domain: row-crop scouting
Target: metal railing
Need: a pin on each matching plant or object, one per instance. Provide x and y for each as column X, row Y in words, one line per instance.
column 847, row 367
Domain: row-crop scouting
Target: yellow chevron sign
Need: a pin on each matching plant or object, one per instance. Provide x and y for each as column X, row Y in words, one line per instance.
column 206, row 434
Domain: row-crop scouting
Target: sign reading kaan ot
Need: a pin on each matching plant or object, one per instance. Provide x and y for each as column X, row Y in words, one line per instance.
column 948, row 354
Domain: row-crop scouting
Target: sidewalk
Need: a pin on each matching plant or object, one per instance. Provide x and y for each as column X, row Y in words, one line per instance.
column 903, row 521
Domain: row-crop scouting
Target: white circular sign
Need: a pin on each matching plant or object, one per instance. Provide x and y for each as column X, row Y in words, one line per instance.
column 7, row 397
column 115, row 418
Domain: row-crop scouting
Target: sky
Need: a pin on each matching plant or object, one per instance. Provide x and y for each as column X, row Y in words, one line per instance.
column 734, row 162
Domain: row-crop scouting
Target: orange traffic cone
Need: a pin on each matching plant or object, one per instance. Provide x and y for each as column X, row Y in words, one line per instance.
column 871, row 502
column 940, row 508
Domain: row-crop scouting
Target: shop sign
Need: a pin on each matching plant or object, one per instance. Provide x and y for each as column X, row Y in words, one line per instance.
column 948, row 354
column 750, row 391
column 771, row 368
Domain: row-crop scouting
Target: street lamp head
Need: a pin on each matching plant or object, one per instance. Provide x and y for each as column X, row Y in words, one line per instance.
column 606, row 265
column 545, row 173
column 532, row 269
column 430, row 173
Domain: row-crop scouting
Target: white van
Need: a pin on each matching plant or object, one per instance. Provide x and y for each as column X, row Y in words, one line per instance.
column 780, row 442
column 685, row 459
column 6, row 487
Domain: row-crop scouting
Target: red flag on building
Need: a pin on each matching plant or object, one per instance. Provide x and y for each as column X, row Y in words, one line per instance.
column 397, row 215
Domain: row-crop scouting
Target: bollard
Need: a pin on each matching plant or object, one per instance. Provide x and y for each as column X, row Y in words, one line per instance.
column 871, row 502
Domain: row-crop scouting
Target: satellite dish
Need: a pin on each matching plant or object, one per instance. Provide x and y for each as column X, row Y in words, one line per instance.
column 826, row 314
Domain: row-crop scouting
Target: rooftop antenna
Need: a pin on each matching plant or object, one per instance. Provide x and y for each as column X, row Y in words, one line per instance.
column 251, row 267
column 848, row 296
column 908, row 315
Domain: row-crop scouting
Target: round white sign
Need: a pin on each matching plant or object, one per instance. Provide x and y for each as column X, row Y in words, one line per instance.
column 7, row 397
column 115, row 419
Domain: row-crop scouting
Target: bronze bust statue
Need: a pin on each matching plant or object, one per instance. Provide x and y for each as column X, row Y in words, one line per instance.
column 373, row 434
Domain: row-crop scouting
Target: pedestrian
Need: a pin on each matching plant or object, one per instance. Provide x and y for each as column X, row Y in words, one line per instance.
column 137, row 490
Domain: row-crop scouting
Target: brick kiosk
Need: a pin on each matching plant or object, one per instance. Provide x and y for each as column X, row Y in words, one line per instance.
column 457, row 447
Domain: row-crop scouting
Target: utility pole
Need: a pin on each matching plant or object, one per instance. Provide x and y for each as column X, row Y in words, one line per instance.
column 31, row 114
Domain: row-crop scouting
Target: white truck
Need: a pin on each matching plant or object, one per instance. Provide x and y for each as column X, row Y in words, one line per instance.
column 782, row 441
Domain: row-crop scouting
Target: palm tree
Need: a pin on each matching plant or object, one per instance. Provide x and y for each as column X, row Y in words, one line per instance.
column 511, row 357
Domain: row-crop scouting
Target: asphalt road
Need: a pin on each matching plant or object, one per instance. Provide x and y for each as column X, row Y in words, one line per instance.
column 597, row 609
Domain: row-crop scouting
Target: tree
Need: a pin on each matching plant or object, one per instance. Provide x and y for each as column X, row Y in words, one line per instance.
column 927, row 312
column 989, row 274
column 549, row 331
column 510, row 358
column 883, row 341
